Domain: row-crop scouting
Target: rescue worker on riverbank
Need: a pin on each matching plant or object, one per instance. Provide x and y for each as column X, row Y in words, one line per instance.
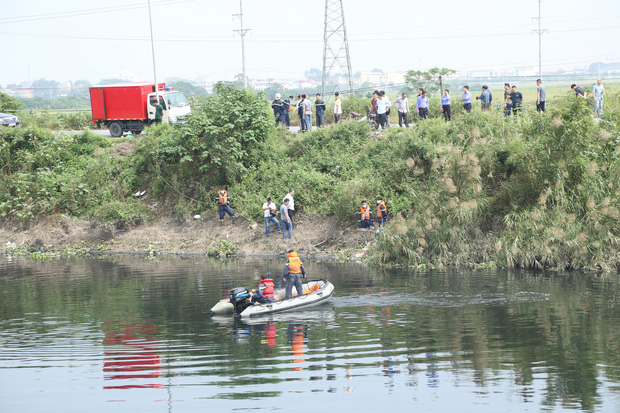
column 264, row 294
column 319, row 109
column 288, row 109
column 294, row 271
column 223, row 202
column 364, row 218
column 278, row 110
column 381, row 212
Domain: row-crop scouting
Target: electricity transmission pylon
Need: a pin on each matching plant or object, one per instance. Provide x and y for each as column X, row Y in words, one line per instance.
column 335, row 44
column 242, row 32
column 539, row 32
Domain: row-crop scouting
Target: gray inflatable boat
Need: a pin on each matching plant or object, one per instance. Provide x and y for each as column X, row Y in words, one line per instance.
column 316, row 292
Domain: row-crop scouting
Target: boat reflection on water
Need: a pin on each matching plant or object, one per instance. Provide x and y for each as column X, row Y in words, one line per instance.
column 131, row 353
column 267, row 328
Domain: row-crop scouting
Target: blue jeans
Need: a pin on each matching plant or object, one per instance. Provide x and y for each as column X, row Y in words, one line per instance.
column 308, row 120
column 598, row 104
column 285, row 226
column 271, row 219
column 293, row 280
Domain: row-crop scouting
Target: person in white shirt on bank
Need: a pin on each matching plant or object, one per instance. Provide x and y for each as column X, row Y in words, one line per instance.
column 270, row 210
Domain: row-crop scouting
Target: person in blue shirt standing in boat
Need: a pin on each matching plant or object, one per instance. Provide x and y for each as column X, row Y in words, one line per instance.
column 466, row 99
column 294, row 271
column 445, row 105
column 264, row 294
column 598, row 91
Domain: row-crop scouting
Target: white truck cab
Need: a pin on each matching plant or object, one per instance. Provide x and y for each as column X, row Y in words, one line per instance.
column 176, row 106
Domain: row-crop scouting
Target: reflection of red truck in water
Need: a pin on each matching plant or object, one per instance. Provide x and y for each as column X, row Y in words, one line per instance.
column 131, row 106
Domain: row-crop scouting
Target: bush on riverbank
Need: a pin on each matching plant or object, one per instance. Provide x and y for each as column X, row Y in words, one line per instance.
column 540, row 191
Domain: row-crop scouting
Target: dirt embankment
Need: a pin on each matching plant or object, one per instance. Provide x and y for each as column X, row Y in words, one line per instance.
column 311, row 236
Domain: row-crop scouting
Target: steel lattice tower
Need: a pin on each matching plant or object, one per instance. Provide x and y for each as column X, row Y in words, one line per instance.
column 335, row 44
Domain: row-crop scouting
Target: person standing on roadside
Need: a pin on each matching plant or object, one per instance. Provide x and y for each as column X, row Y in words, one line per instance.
column 269, row 211
column 287, row 223
column 507, row 92
column 402, row 104
column 388, row 108
column 307, row 113
column 300, row 112
column 288, row 103
column 445, row 105
column 319, row 108
column 485, row 98
column 159, row 111
column 466, row 99
column 223, row 203
column 381, row 110
column 579, row 92
column 421, row 105
column 598, row 91
column 278, row 110
column 517, row 100
column 337, row 108
column 291, row 205
column 373, row 102
column 541, row 96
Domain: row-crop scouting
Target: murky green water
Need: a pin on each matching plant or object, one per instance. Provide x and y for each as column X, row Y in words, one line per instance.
column 133, row 335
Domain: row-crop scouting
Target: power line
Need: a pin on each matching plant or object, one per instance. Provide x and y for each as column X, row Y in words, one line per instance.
column 60, row 15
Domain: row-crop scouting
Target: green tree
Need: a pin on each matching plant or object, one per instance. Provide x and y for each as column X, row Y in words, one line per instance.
column 188, row 89
column 45, row 88
column 314, row 74
column 429, row 80
column 9, row 104
column 222, row 137
column 271, row 91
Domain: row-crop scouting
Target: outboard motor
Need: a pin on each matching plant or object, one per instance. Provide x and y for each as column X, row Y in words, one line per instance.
column 240, row 299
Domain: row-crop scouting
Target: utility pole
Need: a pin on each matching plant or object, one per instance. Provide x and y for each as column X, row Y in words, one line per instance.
column 335, row 44
column 539, row 32
column 242, row 32
column 153, row 52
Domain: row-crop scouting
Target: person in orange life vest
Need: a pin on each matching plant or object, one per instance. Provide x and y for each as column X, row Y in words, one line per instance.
column 223, row 201
column 265, row 290
column 293, row 272
column 364, row 218
column 381, row 212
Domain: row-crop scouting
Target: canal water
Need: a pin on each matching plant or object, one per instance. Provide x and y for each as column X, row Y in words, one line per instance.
column 130, row 334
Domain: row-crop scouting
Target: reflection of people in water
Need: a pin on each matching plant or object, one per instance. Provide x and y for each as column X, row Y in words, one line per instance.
column 130, row 353
column 296, row 338
column 269, row 334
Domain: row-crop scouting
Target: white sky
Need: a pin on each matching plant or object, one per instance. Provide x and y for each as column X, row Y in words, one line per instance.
column 86, row 39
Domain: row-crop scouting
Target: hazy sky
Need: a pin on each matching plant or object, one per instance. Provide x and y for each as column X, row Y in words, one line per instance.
column 86, row 39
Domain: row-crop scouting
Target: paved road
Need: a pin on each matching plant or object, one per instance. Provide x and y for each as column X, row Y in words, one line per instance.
column 106, row 133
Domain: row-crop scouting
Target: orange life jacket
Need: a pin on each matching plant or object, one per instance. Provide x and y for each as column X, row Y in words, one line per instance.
column 364, row 213
column 222, row 199
column 379, row 212
column 268, row 287
column 294, row 263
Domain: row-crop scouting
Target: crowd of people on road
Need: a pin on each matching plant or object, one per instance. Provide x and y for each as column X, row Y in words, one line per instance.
column 380, row 105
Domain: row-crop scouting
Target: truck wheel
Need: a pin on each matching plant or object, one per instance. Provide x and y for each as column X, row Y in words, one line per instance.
column 136, row 132
column 116, row 130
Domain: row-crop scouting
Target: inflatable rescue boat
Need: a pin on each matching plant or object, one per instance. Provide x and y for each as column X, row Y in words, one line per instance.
column 316, row 293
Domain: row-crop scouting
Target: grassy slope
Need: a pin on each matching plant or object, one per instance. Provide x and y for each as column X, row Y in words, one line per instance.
column 538, row 192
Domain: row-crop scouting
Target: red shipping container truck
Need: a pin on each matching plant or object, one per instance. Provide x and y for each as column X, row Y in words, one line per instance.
column 131, row 106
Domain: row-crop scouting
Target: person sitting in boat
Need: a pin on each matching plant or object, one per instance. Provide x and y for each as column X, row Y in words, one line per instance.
column 265, row 290
column 294, row 271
